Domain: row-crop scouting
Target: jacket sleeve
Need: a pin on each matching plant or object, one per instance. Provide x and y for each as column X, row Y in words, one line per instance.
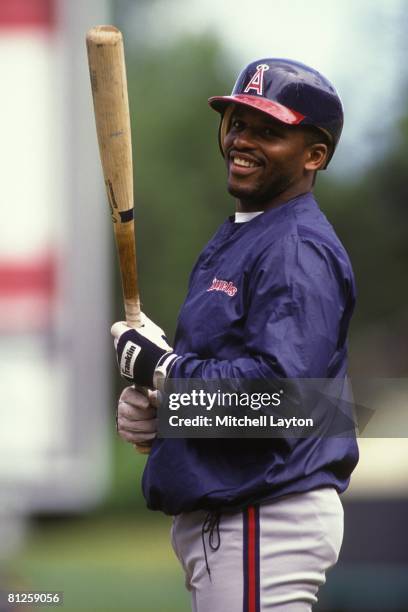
column 297, row 295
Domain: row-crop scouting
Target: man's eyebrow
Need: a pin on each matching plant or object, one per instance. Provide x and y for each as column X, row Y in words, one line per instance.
column 270, row 125
column 272, row 122
column 265, row 121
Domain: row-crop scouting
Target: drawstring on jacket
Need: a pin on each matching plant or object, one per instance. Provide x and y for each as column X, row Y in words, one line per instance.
column 211, row 524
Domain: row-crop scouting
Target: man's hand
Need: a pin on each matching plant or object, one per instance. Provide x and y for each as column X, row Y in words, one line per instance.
column 140, row 351
column 136, row 417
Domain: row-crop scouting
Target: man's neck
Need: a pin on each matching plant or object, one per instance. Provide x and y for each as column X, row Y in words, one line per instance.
column 278, row 200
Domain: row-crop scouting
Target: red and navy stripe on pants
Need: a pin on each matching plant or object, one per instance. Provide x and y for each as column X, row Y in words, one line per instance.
column 251, row 559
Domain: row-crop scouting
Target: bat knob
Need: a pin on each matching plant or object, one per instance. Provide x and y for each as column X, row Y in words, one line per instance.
column 104, row 35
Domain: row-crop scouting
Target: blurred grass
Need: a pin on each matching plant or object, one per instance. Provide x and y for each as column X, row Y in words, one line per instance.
column 122, row 562
column 103, row 563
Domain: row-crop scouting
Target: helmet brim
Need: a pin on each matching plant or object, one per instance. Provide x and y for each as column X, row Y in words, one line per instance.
column 269, row 107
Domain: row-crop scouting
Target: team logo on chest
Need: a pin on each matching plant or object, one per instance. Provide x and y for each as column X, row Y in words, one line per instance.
column 256, row 82
column 227, row 287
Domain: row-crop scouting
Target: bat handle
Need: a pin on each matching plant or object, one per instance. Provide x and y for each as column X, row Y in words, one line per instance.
column 143, row 449
column 134, row 319
column 133, row 314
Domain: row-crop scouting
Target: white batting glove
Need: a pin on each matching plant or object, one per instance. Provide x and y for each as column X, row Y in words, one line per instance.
column 148, row 329
column 136, row 417
column 141, row 351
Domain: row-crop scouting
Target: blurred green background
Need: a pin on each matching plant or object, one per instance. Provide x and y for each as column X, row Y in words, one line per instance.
column 118, row 556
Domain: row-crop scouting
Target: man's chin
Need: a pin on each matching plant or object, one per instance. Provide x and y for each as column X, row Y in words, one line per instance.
column 255, row 195
column 242, row 193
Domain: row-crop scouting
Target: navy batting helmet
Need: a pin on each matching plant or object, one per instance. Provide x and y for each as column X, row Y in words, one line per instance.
column 288, row 91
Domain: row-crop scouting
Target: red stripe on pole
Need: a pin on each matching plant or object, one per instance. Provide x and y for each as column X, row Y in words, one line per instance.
column 251, row 561
column 27, row 13
column 19, row 279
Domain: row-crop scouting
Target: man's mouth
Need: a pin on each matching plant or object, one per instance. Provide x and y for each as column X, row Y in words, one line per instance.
column 239, row 161
column 242, row 164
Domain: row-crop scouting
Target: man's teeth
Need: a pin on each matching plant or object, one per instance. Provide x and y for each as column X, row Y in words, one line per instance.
column 238, row 161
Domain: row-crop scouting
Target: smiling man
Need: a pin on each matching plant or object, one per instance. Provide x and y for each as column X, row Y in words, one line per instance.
column 257, row 522
column 268, row 160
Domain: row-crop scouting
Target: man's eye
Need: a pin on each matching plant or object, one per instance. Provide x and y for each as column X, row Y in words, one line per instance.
column 237, row 124
column 269, row 132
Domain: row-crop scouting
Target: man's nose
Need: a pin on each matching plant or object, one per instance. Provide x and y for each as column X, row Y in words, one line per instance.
column 244, row 138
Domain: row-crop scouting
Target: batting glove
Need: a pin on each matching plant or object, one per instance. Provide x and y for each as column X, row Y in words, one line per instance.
column 142, row 351
column 136, row 417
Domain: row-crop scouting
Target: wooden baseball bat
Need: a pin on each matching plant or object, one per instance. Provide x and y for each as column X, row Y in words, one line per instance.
column 107, row 71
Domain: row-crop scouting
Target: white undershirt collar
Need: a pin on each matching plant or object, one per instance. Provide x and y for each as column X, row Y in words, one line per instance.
column 243, row 217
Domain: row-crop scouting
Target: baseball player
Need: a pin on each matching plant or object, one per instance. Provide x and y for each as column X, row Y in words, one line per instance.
column 257, row 523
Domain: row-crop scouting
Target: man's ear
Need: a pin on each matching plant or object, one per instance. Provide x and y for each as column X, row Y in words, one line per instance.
column 316, row 156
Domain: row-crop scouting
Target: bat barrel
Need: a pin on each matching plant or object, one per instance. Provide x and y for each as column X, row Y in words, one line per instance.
column 109, row 90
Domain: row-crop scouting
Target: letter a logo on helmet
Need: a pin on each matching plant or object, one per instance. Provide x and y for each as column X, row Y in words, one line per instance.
column 256, row 81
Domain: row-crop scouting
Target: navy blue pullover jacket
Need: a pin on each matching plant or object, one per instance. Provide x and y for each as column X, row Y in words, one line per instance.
column 269, row 298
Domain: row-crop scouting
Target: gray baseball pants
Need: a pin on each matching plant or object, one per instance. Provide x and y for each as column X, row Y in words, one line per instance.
column 270, row 557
